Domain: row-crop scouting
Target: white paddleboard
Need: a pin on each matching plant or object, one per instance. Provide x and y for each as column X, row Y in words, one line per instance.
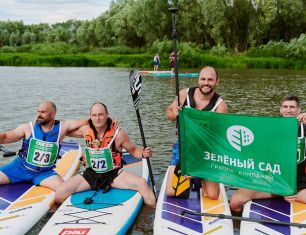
column 110, row 213
column 273, row 209
column 22, row 205
column 169, row 218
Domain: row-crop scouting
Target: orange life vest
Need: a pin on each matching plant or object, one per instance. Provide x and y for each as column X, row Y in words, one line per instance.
column 108, row 136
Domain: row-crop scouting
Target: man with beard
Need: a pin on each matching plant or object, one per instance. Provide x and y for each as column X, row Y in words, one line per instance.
column 105, row 140
column 289, row 107
column 203, row 97
column 44, row 130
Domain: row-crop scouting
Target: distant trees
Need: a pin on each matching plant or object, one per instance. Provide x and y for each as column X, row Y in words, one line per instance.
column 235, row 25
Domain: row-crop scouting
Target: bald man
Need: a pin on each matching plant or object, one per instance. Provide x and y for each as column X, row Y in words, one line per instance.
column 104, row 139
column 27, row 166
column 201, row 97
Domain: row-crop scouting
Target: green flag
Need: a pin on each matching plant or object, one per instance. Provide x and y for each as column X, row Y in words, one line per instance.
column 252, row 152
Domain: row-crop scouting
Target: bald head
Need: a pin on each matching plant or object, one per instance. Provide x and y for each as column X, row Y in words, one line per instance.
column 46, row 113
column 209, row 70
column 98, row 115
column 50, row 105
column 98, row 105
column 208, row 80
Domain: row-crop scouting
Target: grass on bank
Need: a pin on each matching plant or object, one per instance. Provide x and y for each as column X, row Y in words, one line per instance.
column 145, row 61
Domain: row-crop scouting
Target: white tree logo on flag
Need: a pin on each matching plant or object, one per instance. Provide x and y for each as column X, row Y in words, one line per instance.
column 239, row 136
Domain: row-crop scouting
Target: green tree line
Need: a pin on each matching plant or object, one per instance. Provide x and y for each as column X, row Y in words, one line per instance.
column 221, row 26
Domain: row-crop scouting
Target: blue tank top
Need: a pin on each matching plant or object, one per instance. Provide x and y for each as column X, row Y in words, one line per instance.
column 51, row 136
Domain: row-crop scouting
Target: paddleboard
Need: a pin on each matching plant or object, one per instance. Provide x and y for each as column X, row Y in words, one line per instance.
column 193, row 75
column 152, row 72
column 169, row 218
column 273, row 209
column 22, row 205
column 167, row 74
column 112, row 212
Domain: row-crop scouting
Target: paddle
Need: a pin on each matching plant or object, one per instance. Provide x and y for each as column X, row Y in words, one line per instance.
column 135, row 86
column 173, row 10
column 6, row 152
column 222, row 216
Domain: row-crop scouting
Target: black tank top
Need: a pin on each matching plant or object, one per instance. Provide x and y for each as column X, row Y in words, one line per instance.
column 208, row 107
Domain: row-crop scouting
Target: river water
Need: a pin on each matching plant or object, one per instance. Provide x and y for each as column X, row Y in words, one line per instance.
column 255, row 92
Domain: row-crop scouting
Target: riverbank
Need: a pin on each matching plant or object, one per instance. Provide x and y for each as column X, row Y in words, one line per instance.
column 145, row 61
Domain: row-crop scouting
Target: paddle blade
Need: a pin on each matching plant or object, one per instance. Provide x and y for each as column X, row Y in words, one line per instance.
column 6, row 152
column 135, row 86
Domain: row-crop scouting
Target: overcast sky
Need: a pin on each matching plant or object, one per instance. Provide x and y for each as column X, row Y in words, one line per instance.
column 51, row 11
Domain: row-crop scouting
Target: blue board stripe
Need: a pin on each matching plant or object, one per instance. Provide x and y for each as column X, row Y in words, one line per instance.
column 11, row 192
column 178, row 210
column 267, row 212
column 279, row 228
column 3, row 204
column 185, row 222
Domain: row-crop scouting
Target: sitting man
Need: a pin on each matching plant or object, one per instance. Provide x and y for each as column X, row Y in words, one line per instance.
column 101, row 134
column 33, row 163
column 289, row 107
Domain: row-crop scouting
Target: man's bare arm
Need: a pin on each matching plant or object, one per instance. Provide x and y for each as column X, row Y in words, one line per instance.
column 173, row 108
column 222, row 108
column 125, row 142
column 14, row 135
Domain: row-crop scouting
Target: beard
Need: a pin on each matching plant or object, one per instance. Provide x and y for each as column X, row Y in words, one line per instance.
column 206, row 92
column 43, row 121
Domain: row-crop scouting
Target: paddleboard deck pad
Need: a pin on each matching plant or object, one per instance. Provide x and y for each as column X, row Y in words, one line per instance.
column 22, row 205
column 112, row 212
column 273, row 209
column 169, row 218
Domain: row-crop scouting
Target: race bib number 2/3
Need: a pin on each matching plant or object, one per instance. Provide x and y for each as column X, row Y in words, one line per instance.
column 42, row 153
column 100, row 160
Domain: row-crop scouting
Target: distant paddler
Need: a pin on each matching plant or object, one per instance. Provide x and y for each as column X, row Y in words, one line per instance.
column 156, row 61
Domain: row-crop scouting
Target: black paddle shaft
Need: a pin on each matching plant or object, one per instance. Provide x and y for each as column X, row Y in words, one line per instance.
column 135, row 87
column 173, row 10
column 145, row 145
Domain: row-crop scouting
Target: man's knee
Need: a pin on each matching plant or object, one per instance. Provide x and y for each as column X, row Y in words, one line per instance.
column 170, row 191
column 4, row 178
column 142, row 184
column 213, row 194
column 211, row 189
column 60, row 195
column 301, row 196
column 237, row 201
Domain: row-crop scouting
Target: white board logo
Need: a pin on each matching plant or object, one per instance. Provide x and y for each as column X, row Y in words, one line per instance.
column 239, row 136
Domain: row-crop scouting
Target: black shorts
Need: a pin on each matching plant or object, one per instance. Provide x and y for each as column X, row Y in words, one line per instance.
column 100, row 180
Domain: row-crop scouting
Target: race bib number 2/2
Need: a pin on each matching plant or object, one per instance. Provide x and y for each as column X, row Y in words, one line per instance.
column 100, row 160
